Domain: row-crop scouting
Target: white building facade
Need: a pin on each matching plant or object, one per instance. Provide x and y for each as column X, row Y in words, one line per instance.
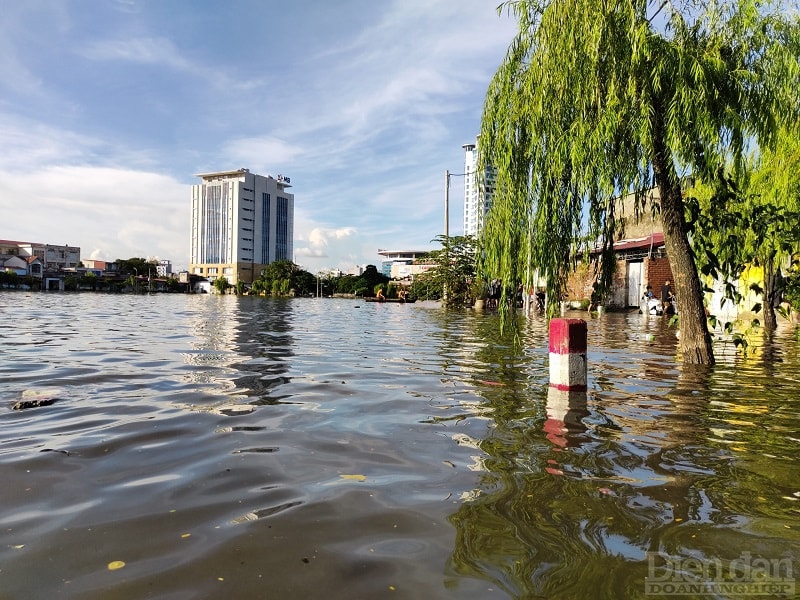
column 402, row 264
column 164, row 268
column 478, row 191
column 240, row 223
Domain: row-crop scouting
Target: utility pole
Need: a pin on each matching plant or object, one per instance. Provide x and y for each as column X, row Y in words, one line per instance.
column 447, row 205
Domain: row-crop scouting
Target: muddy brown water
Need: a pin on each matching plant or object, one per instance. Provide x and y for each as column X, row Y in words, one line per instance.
column 224, row 447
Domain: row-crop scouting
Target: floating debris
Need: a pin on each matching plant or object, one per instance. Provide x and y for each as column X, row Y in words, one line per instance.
column 37, row 398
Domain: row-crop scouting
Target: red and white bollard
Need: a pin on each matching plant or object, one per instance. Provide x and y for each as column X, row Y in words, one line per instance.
column 568, row 355
column 566, row 398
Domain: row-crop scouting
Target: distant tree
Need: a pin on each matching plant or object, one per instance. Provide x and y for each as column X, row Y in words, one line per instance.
column 9, row 279
column 426, row 287
column 372, row 277
column 34, row 283
column 89, row 280
column 281, row 276
column 345, row 284
column 304, row 283
column 455, row 269
column 221, row 284
column 173, row 285
column 132, row 266
column 258, row 286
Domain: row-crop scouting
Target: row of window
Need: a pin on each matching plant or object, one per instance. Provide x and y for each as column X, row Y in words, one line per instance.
column 213, row 271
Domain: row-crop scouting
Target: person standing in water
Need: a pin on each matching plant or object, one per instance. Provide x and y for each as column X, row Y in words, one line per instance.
column 666, row 296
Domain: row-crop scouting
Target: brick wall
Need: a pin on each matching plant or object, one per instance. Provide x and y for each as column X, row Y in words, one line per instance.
column 656, row 272
column 579, row 283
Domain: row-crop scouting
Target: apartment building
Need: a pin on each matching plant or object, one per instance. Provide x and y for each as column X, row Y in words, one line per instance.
column 478, row 190
column 240, row 223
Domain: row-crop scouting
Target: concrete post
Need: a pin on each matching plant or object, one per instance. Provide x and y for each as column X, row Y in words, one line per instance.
column 568, row 354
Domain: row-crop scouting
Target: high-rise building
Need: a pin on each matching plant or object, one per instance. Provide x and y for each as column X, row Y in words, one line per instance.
column 240, row 223
column 478, row 191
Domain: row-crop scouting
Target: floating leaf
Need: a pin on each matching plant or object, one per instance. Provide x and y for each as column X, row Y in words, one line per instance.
column 354, row 477
column 115, row 565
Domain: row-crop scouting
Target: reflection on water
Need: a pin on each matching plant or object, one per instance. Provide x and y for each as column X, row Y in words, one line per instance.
column 226, row 447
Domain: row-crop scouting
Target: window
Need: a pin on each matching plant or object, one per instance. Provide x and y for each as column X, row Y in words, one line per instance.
column 212, row 270
column 265, row 224
column 228, row 270
column 282, row 230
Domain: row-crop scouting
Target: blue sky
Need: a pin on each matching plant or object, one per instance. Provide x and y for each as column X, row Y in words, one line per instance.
column 109, row 108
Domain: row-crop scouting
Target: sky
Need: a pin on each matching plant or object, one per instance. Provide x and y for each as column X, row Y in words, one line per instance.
column 108, row 110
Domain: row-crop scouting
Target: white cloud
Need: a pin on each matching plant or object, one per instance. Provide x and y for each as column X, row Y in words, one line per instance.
column 139, row 50
column 110, row 213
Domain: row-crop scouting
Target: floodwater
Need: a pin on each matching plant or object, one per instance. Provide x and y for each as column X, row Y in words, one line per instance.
column 224, row 447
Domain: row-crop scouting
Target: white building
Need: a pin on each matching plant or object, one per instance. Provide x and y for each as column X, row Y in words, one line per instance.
column 477, row 191
column 164, row 268
column 53, row 257
column 240, row 223
column 400, row 264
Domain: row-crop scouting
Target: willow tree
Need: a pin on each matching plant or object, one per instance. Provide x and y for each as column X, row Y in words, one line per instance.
column 599, row 98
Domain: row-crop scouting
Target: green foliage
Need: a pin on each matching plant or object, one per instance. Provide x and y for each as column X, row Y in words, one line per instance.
column 281, row 276
column 749, row 215
column 455, row 269
column 359, row 286
column 595, row 99
column 221, row 284
column 9, row 279
column 173, row 285
column 791, row 289
column 304, row 283
column 132, row 266
column 258, row 286
column 89, row 280
column 34, row 283
column 426, row 287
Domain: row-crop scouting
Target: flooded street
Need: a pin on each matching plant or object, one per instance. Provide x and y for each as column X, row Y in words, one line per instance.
column 227, row 447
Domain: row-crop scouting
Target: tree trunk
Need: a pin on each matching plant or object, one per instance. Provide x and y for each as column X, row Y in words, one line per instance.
column 695, row 340
column 769, row 294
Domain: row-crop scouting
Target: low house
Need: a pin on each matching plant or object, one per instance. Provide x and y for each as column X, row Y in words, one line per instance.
column 641, row 259
column 15, row 264
column 35, row 266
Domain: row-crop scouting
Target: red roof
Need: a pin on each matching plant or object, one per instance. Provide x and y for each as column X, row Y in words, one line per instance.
column 654, row 240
